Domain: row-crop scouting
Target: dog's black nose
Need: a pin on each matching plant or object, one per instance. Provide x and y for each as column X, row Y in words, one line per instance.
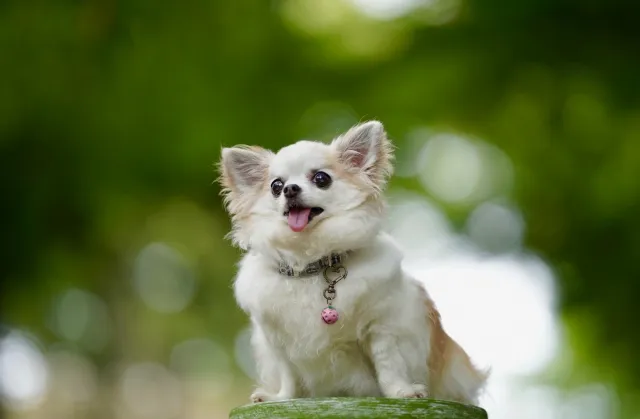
column 291, row 191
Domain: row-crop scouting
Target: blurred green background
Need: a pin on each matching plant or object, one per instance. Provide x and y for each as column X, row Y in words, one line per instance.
column 116, row 278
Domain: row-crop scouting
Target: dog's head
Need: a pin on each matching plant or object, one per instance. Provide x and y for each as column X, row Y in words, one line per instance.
column 310, row 198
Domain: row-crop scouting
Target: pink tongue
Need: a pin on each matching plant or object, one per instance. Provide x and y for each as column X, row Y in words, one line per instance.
column 298, row 218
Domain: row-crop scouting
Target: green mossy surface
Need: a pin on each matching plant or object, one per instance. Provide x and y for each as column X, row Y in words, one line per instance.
column 371, row 407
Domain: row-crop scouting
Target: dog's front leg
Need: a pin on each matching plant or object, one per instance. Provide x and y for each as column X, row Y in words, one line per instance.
column 275, row 374
column 395, row 363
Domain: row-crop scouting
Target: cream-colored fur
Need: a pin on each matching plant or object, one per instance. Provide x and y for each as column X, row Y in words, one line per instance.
column 389, row 340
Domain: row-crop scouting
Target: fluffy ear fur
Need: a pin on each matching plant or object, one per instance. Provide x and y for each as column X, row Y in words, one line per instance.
column 365, row 149
column 243, row 171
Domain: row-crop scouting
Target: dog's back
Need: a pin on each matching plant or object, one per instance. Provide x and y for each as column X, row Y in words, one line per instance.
column 452, row 375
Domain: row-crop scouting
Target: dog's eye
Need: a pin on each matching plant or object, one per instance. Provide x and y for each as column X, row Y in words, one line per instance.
column 322, row 180
column 276, row 187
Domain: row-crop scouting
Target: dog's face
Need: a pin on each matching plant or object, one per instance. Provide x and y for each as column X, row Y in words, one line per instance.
column 309, row 198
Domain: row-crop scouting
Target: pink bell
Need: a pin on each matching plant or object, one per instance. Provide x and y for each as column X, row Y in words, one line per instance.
column 330, row 315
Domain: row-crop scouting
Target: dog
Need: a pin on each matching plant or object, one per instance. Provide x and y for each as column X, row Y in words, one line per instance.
column 332, row 312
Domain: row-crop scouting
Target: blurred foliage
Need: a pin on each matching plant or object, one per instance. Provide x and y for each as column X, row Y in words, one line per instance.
column 112, row 114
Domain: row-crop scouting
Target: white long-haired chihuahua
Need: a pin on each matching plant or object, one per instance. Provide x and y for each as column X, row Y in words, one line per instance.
column 332, row 312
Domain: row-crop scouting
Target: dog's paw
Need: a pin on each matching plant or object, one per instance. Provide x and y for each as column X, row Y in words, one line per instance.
column 260, row 396
column 415, row 391
column 420, row 391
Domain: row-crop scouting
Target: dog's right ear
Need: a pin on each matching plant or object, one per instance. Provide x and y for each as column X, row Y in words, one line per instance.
column 243, row 169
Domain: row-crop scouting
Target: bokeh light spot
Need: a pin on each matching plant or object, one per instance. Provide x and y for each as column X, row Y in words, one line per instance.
column 450, row 167
column 495, row 227
column 74, row 377
column 429, row 12
column 23, row 372
column 163, row 278
column 150, row 391
column 82, row 317
column 342, row 31
column 411, row 214
column 459, row 170
column 387, row 9
column 590, row 401
column 203, row 359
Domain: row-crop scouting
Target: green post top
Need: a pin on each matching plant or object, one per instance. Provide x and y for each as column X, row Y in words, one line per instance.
column 368, row 407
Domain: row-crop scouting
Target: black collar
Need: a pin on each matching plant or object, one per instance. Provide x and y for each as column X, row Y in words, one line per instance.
column 313, row 268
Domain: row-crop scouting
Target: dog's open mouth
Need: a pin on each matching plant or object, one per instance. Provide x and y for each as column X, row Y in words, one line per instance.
column 299, row 217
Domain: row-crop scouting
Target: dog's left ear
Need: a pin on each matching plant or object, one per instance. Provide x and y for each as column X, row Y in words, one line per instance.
column 366, row 149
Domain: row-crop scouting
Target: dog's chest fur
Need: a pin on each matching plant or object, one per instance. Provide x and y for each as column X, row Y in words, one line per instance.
column 289, row 311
